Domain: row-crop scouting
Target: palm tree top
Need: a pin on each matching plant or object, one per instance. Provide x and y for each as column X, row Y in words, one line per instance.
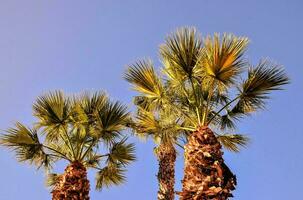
column 204, row 82
column 87, row 128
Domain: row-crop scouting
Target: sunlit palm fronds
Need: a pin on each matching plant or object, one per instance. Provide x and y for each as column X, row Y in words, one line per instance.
column 110, row 175
column 85, row 106
column 261, row 80
column 52, row 109
column 74, row 129
column 233, row 142
column 111, row 120
column 144, row 79
column 52, row 179
column 180, row 51
column 53, row 112
column 221, row 59
column 121, row 153
column 25, row 143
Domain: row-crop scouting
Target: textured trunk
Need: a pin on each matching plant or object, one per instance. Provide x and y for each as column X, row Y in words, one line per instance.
column 166, row 175
column 206, row 177
column 73, row 184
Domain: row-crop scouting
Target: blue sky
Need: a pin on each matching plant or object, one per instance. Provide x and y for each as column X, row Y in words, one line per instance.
column 85, row 45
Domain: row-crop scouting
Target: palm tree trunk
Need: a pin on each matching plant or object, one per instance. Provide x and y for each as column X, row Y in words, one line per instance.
column 166, row 175
column 206, row 177
column 73, row 184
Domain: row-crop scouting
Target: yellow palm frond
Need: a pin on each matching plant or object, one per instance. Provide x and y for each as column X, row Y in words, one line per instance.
column 144, row 79
column 179, row 53
column 221, row 59
column 233, row 142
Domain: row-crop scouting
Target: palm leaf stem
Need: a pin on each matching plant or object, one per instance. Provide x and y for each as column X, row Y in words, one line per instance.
column 80, row 150
column 210, row 94
column 58, row 156
column 70, row 143
column 217, row 113
column 187, row 129
column 193, row 88
column 58, row 152
column 88, row 149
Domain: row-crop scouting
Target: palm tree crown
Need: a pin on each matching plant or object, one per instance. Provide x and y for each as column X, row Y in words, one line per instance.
column 85, row 129
column 206, row 77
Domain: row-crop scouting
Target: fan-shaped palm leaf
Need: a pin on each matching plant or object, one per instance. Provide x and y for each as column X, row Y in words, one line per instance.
column 180, row 52
column 144, row 79
column 262, row 79
column 26, row 144
column 233, row 142
column 121, row 153
column 110, row 175
column 53, row 112
column 221, row 60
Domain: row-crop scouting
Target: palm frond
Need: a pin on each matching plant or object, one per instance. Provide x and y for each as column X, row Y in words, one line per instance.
column 111, row 120
column 221, row 59
column 93, row 160
column 85, row 111
column 52, row 179
column 180, row 52
column 233, row 142
column 144, row 79
column 59, row 149
column 110, row 175
column 262, row 79
column 91, row 103
column 53, row 112
column 26, row 145
column 146, row 123
column 122, row 153
column 146, row 103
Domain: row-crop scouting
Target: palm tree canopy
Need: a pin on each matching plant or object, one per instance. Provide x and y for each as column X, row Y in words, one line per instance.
column 155, row 116
column 85, row 128
column 204, row 83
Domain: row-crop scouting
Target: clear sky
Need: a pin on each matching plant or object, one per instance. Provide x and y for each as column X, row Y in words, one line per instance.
column 85, row 45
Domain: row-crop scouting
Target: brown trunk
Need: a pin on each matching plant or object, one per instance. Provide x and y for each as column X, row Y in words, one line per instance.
column 166, row 175
column 73, row 184
column 206, row 177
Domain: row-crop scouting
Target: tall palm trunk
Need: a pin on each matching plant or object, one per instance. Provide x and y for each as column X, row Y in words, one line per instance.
column 166, row 154
column 73, row 184
column 206, row 177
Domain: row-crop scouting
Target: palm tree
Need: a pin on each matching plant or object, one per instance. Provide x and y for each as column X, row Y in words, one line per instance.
column 156, row 119
column 85, row 131
column 206, row 78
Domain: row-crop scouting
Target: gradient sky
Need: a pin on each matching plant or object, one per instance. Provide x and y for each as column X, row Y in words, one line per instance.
column 85, row 45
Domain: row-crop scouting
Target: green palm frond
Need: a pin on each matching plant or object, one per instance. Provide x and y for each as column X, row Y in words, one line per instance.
column 144, row 79
column 262, row 79
column 85, row 111
column 221, row 60
column 145, row 103
column 122, row 153
column 60, row 148
column 162, row 127
column 93, row 160
column 180, row 52
column 233, row 142
column 53, row 112
column 228, row 121
column 146, row 123
column 26, row 145
column 110, row 175
column 52, row 179
column 111, row 120
column 91, row 103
